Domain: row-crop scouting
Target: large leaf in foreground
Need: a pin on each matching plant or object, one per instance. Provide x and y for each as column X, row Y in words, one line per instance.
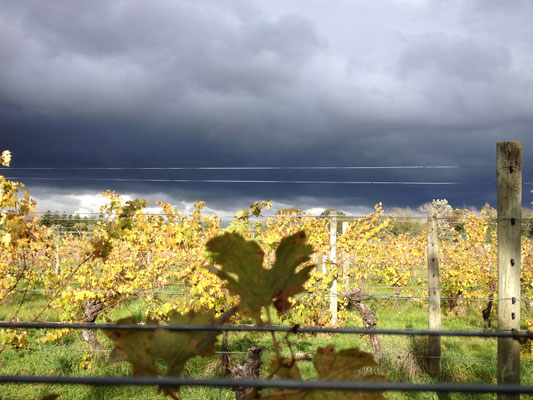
column 291, row 252
column 243, row 271
column 132, row 346
column 329, row 365
column 174, row 348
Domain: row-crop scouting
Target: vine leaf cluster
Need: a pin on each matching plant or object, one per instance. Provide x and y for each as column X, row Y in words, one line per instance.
column 162, row 352
column 329, row 365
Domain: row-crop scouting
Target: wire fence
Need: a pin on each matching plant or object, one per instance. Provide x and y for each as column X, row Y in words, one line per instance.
column 226, row 169
column 515, row 334
column 253, row 168
column 296, row 329
column 269, row 383
column 256, row 168
column 271, row 352
column 261, row 181
column 178, row 293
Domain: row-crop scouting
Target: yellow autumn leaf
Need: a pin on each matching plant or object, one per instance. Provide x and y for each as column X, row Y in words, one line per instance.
column 5, row 158
column 6, row 239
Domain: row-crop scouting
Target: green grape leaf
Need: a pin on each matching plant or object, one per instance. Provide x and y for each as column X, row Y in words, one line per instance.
column 242, row 269
column 245, row 276
column 329, row 365
column 145, row 350
column 132, row 346
column 291, row 252
column 175, row 348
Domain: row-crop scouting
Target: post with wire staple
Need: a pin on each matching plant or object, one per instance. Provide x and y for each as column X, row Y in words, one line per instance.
column 434, row 348
column 509, row 181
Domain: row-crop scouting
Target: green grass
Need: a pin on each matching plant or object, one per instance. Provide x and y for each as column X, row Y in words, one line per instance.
column 464, row 359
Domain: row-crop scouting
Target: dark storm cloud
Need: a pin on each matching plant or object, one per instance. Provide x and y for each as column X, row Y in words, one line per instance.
column 177, row 83
column 157, row 59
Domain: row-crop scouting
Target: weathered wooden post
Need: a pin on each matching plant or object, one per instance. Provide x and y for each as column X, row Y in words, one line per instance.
column 434, row 351
column 509, row 181
column 333, row 292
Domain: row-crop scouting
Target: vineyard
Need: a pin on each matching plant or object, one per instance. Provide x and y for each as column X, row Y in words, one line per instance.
column 345, row 272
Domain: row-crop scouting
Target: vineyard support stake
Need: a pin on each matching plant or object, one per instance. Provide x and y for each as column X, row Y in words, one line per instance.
column 509, row 181
column 434, row 348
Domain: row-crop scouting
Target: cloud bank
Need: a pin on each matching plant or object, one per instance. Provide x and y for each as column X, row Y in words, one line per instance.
column 208, row 83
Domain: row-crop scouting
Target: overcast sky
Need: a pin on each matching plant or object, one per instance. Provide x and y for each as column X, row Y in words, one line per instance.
column 265, row 83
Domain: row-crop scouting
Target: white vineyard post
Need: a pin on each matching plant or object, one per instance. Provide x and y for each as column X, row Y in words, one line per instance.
column 345, row 261
column 434, row 350
column 509, row 181
column 333, row 292
column 345, row 225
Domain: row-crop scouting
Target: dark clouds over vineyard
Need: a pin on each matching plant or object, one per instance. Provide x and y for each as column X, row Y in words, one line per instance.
column 269, row 83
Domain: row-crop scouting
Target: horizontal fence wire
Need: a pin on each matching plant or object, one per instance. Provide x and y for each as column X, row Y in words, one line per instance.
column 57, row 349
column 262, row 181
column 253, row 328
column 68, row 349
column 270, row 383
column 256, row 168
column 364, row 296
column 85, row 220
column 249, row 168
column 302, row 215
column 272, row 352
column 340, row 218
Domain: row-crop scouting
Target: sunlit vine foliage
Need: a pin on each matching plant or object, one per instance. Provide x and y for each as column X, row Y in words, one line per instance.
column 240, row 265
column 129, row 252
column 469, row 267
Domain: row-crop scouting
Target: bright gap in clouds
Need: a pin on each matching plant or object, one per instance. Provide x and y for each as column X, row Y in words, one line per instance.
column 85, row 203
column 90, row 203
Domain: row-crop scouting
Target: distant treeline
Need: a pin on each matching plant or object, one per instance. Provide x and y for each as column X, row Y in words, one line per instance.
column 67, row 222
column 403, row 220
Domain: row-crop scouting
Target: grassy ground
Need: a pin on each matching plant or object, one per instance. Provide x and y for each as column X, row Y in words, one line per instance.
column 464, row 359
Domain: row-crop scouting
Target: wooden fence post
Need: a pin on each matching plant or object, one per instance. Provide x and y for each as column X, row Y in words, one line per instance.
column 333, row 292
column 509, row 178
column 434, row 350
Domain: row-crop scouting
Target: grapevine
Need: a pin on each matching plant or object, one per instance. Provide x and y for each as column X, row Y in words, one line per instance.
column 240, row 266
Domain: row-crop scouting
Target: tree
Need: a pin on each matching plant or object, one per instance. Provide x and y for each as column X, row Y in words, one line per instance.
column 404, row 221
column 340, row 219
column 67, row 222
